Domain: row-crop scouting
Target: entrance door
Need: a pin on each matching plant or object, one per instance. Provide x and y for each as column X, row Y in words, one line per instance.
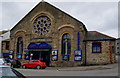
column 36, row 55
column 44, row 56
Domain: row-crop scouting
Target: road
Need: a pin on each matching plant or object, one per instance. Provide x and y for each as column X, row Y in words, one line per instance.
column 107, row 70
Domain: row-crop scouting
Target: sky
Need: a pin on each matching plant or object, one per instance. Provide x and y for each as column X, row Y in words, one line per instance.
column 97, row 15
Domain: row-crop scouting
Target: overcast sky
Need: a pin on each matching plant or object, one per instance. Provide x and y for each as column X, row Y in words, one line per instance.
column 97, row 16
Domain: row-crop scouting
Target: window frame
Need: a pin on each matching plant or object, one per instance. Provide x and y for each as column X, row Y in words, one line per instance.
column 63, row 49
column 98, row 46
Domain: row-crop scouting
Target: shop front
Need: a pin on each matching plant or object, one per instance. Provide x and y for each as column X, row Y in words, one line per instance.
column 40, row 52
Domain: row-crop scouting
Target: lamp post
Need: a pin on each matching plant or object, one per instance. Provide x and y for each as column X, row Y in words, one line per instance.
column 31, row 56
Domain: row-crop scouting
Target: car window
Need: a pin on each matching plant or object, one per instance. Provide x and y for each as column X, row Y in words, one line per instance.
column 31, row 61
column 35, row 61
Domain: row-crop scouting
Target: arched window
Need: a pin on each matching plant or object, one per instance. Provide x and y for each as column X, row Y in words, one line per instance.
column 20, row 45
column 66, row 44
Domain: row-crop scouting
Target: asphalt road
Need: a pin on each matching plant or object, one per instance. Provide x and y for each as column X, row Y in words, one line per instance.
column 112, row 70
column 102, row 70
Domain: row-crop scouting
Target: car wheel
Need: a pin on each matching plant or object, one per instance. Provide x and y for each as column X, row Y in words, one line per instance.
column 24, row 66
column 38, row 67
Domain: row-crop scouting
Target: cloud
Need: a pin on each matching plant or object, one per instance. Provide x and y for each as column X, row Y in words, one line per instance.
column 99, row 16
column 13, row 12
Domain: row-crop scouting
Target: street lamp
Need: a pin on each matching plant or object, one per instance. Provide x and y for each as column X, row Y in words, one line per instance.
column 31, row 56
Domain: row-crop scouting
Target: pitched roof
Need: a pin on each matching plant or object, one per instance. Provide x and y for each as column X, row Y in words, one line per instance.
column 94, row 35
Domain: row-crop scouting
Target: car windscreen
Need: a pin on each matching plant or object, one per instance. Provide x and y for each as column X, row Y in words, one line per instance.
column 1, row 61
column 10, row 72
column 7, row 71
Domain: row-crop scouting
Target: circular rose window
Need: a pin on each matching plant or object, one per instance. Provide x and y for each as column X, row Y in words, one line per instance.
column 42, row 25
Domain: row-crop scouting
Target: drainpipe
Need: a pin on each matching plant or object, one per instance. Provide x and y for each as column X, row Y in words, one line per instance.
column 85, row 54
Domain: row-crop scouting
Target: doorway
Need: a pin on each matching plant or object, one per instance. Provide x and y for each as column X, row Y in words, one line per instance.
column 44, row 56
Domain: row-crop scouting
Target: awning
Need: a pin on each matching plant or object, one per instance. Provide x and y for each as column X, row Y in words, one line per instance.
column 39, row 47
column 44, row 45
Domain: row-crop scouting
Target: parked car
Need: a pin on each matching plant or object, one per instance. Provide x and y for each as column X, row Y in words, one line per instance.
column 2, row 61
column 7, row 61
column 34, row 64
column 15, row 64
column 8, row 72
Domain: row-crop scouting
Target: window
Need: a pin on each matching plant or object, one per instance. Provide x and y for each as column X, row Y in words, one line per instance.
column 66, row 44
column 20, row 45
column 113, row 49
column 96, row 47
column 7, row 45
column 35, row 61
column 42, row 25
column 31, row 61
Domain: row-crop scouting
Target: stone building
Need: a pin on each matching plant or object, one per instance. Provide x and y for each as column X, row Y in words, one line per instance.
column 4, row 44
column 51, row 35
column 118, row 46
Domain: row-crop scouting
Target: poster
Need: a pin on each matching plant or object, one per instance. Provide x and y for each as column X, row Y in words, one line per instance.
column 27, row 57
column 54, row 52
column 19, row 56
column 54, row 57
column 78, row 52
column 65, row 57
column 77, row 58
column 11, row 54
column 78, row 55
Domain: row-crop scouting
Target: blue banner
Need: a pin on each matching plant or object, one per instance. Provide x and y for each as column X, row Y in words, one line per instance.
column 78, row 55
column 78, row 40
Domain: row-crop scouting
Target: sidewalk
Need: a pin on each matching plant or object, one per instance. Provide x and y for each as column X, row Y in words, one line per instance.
column 84, row 68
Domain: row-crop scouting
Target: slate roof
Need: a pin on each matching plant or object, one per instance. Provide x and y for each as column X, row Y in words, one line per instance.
column 95, row 35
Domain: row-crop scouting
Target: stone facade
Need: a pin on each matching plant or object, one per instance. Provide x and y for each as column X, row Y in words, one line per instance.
column 61, row 23
column 107, row 56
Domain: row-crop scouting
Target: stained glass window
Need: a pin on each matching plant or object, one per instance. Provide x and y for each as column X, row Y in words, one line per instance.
column 42, row 25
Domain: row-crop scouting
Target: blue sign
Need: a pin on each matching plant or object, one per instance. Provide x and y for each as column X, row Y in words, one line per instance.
column 54, row 57
column 65, row 57
column 78, row 55
column 27, row 57
column 19, row 56
column 41, row 46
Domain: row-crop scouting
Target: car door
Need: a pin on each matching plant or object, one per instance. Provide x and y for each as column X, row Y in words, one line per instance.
column 35, row 63
column 30, row 63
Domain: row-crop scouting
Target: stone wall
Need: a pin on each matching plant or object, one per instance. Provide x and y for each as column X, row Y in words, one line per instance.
column 105, row 57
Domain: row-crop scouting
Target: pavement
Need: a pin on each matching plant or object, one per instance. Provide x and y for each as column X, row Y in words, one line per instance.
column 84, row 68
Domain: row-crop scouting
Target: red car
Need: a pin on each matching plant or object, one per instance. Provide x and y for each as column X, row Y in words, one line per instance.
column 34, row 64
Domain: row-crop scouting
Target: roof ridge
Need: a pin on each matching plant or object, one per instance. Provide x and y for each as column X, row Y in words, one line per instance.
column 102, row 34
